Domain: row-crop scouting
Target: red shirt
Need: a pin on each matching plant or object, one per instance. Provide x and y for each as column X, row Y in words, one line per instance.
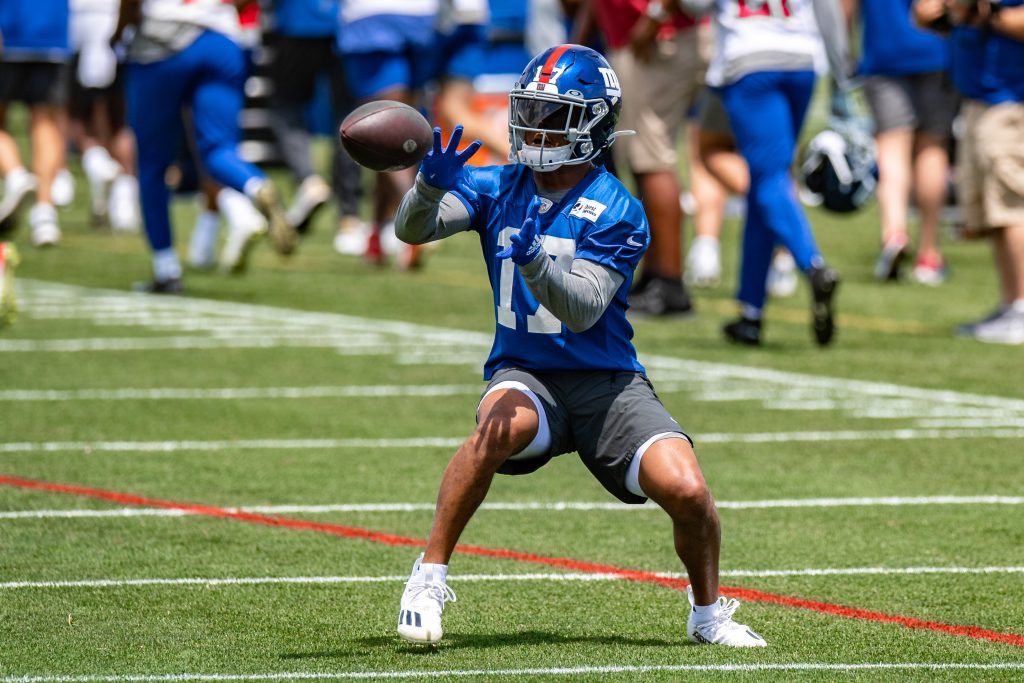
column 617, row 17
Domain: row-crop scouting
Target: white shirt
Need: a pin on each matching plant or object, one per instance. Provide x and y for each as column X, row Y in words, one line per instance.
column 216, row 15
column 352, row 10
column 755, row 35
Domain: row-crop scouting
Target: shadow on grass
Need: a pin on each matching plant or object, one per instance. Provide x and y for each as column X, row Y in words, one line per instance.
column 479, row 641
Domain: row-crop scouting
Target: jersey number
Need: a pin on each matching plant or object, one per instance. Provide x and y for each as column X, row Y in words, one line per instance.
column 543, row 321
column 762, row 8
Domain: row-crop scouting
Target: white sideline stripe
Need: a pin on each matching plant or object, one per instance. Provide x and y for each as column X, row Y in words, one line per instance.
column 459, row 578
column 549, row 671
column 523, row 507
column 232, row 393
column 454, row 442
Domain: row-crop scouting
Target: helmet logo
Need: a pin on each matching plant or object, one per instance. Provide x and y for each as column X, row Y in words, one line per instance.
column 611, row 82
column 544, row 81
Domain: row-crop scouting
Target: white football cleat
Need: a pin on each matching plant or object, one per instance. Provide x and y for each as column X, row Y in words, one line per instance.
column 244, row 232
column 124, row 204
column 352, row 236
column 782, row 280
column 19, row 190
column 310, row 196
column 419, row 615
column 43, row 228
column 62, row 191
column 703, row 263
column 721, row 629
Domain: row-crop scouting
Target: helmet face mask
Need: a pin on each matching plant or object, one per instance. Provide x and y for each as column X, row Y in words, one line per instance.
column 563, row 109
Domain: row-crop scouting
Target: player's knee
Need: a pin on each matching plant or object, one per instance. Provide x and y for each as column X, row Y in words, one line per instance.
column 687, row 495
column 506, row 426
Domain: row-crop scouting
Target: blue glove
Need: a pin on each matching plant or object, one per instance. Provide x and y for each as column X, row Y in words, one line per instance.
column 526, row 244
column 442, row 167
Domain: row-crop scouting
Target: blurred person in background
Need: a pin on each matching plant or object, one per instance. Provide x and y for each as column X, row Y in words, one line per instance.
column 988, row 69
column 303, row 54
column 34, row 52
column 913, row 103
column 765, row 66
column 184, row 54
column 655, row 50
column 97, row 126
column 388, row 53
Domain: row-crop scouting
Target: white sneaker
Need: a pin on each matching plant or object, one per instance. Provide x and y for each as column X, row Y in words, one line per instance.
column 782, row 278
column 202, row 246
column 312, row 194
column 703, row 263
column 62, row 191
column 124, row 204
column 42, row 221
column 100, row 170
column 19, row 190
column 721, row 629
column 245, row 229
column 1008, row 328
column 419, row 616
column 352, row 236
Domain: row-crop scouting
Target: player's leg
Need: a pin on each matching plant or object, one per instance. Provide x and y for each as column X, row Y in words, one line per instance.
column 931, row 170
column 154, row 95
column 217, row 99
column 512, row 435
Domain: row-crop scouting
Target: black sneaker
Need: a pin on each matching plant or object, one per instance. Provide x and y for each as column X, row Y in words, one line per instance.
column 744, row 331
column 170, row 286
column 660, row 296
column 824, row 282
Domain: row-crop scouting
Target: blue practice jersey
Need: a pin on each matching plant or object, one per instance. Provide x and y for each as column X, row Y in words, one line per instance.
column 34, row 30
column 598, row 220
column 893, row 46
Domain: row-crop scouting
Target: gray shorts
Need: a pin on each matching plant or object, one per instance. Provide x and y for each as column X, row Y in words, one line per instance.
column 925, row 102
column 711, row 114
column 33, row 82
column 603, row 415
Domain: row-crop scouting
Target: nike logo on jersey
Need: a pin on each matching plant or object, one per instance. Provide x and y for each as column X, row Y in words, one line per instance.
column 632, row 242
column 587, row 209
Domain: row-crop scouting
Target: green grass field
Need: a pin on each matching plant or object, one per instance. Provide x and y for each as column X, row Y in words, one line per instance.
column 880, row 475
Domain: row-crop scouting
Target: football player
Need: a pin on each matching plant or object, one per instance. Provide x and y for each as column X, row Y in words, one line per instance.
column 767, row 56
column 185, row 54
column 561, row 238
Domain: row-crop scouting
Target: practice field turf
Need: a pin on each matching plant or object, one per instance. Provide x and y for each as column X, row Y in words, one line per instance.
column 233, row 484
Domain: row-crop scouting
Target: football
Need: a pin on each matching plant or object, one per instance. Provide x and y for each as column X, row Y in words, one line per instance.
column 386, row 136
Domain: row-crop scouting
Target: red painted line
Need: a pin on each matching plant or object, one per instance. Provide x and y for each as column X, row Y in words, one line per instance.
column 504, row 554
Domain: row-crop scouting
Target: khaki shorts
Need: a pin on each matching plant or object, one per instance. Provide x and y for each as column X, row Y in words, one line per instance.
column 990, row 165
column 656, row 98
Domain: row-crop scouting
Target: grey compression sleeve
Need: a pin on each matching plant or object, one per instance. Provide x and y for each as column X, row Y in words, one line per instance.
column 832, row 25
column 577, row 297
column 428, row 213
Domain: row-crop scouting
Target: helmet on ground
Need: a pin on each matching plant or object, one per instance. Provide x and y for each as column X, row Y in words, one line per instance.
column 839, row 171
column 563, row 108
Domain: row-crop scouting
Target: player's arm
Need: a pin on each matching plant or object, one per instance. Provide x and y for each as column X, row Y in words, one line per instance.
column 832, row 25
column 1008, row 20
column 428, row 214
column 577, row 297
column 440, row 203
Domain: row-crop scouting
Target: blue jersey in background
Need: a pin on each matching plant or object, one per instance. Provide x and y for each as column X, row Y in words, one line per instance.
column 306, row 18
column 987, row 65
column 893, row 46
column 34, row 30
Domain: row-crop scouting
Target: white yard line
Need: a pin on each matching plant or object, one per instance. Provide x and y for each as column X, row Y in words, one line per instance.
column 475, row 578
column 539, row 671
column 906, row 434
column 891, row 501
